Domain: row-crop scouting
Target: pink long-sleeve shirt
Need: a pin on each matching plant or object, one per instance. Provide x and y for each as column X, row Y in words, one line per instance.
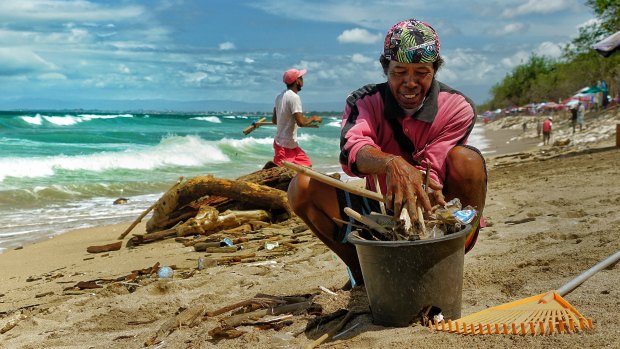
column 446, row 119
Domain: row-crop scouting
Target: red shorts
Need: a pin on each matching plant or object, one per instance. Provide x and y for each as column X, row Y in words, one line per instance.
column 295, row 155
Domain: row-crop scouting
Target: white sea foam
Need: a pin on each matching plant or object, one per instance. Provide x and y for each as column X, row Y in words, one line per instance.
column 246, row 142
column 69, row 120
column 171, row 151
column 213, row 119
column 477, row 139
column 112, row 116
column 33, row 120
column 66, row 120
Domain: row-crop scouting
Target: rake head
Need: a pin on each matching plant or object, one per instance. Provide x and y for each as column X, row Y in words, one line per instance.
column 544, row 314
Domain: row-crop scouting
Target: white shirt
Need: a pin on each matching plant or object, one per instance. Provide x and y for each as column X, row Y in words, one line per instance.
column 287, row 103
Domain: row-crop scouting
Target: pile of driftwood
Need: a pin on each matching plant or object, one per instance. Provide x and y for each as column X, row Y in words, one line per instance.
column 205, row 205
column 262, row 311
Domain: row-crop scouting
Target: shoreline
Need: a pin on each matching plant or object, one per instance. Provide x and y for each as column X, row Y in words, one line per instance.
column 496, row 140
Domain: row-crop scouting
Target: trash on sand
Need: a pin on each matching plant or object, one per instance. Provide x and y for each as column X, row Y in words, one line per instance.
column 165, row 272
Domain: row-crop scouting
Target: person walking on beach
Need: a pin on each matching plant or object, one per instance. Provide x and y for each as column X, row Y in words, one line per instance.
column 288, row 116
column 547, row 130
column 581, row 112
column 573, row 116
column 394, row 130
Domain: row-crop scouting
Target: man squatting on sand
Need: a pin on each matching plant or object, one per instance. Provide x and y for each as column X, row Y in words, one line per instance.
column 393, row 130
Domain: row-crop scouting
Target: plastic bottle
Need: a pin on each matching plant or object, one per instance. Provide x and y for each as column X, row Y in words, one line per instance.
column 201, row 263
column 282, row 340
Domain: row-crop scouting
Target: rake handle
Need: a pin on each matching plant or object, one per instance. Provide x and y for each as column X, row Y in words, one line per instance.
column 571, row 285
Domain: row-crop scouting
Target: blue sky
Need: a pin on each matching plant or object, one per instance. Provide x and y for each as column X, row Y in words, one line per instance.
column 75, row 53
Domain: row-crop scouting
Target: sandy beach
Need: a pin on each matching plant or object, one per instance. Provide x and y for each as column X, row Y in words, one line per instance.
column 552, row 213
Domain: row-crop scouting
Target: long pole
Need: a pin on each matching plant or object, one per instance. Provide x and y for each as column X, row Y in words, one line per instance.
column 571, row 285
column 333, row 181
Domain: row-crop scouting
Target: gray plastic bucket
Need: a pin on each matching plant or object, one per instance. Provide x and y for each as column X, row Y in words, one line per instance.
column 403, row 278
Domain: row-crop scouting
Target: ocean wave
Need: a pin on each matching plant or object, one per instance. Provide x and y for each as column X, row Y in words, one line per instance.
column 68, row 120
column 186, row 151
column 213, row 119
column 33, row 120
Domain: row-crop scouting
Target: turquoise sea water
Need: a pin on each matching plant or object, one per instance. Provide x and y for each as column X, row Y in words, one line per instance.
column 62, row 170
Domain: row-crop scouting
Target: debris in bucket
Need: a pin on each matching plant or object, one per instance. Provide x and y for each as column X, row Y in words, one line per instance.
column 443, row 220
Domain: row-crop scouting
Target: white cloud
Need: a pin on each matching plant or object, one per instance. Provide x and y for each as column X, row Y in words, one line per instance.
column 124, row 69
column 539, row 7
column 65, row 10
column 225, row 46
column 359, row 58
column 15, row 61
column 359, row 36
column 52, row 76
column 465, row 65
column 194, row 78
column 509, row 28
column 549, row 49
column 248, row 60
column 516, row 59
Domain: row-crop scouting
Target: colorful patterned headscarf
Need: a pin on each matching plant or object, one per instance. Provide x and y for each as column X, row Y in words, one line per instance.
column 411, row 41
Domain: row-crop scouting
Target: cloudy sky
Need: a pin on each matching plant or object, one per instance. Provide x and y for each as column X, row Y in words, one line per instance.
column 195, row 50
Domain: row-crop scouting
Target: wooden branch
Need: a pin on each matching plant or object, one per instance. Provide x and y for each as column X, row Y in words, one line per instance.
column 211, row 222
column 237, row 320
column 334, row 182
column 115, row 246
column 331, row 332
column 186, row 318
column 140, row 239
column 184, row 202
column 139, row 219
column 259, row 196
column 367, row 221
column 265, row 301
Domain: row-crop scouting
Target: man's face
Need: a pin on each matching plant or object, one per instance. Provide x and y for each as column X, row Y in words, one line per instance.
column 300, row 83
column 410, row 82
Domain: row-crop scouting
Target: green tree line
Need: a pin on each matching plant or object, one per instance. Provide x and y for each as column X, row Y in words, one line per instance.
column 542, row 79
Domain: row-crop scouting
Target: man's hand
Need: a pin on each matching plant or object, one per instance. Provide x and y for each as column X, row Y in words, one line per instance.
column 404, row 188
column 316, row 119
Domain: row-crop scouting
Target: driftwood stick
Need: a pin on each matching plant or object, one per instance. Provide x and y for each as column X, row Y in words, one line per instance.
column 237, row 320
column 139, row 219
column 321, row 320
column 369, row 222
column 160, row 235
column 242, row 304
column 378, row 190
column 115, row 246
column 331, row 332
column 187, row 318
column 333, row 182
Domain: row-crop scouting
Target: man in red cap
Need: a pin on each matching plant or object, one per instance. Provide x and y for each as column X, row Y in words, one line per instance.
column 288, row 116
column 395, row 130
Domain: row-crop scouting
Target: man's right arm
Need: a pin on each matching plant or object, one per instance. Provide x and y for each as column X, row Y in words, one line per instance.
column 274, row 117
column 303, row 121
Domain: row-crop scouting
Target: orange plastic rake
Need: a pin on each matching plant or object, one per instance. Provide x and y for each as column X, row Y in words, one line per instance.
column 544, row 314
